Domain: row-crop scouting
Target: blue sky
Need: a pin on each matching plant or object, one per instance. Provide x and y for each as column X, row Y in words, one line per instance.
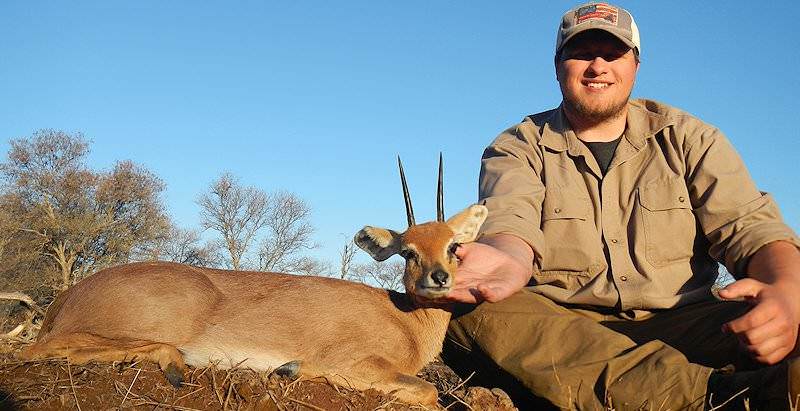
column 319, row 97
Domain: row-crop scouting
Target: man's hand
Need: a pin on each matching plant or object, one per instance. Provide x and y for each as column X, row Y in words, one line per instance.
column 488, row 273
column 769, row 330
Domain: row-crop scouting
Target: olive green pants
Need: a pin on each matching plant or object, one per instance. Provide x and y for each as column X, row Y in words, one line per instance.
column 574, row 358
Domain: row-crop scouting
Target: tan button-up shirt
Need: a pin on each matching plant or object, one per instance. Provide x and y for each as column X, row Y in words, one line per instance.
column 675, row 199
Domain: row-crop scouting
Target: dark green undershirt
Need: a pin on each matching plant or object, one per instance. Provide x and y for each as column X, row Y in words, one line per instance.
column 603, row 152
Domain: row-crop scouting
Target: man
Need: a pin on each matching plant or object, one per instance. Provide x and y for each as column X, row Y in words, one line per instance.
column 607, row 217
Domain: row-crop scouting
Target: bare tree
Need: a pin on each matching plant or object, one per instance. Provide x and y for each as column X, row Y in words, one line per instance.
column 346, row 255
column 86, row 220
column 308, row 266
column 289, row 232
column 185, row 247
column 386, row 274
column 236, row 212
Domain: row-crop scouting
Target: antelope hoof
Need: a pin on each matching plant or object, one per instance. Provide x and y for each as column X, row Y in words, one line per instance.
column 174, row 375
column 291, row 369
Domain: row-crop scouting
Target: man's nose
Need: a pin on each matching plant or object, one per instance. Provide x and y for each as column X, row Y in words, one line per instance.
column 598, row 66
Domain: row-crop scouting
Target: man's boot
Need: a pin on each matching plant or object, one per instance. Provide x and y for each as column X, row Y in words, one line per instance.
column 766, row 389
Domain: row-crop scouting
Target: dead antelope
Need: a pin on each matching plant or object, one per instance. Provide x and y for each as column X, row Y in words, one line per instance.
column 350, row 333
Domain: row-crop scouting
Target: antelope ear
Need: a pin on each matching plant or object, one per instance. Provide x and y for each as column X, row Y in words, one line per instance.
column 465, row 224
column 380, row 243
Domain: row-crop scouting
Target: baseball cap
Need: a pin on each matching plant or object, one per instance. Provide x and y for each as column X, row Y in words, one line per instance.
column 600, row 16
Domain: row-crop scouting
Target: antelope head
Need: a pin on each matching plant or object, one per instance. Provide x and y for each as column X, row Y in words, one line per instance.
column 430, row 248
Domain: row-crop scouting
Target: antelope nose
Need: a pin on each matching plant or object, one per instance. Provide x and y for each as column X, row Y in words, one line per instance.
column 440, row 277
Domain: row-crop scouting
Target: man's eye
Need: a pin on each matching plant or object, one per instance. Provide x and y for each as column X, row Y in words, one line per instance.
column 579, row 56
column 613, row 55
column 588, row 56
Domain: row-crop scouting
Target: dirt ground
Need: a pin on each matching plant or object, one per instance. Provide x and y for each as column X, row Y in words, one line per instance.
column 58, row 385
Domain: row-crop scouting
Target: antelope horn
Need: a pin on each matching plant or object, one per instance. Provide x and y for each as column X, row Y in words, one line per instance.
column 440, row 194
column 406, row 196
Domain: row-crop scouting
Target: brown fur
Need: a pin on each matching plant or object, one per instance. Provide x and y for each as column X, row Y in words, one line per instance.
column 170, row 313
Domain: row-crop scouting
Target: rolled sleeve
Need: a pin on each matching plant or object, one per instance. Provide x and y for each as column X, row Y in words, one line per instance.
column 735, row 216
column 763, row 226
column 511, row 189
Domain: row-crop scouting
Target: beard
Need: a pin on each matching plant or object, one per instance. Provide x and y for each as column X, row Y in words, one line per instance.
column 594, row 113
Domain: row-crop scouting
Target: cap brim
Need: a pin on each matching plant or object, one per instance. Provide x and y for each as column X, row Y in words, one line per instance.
column 621, row 35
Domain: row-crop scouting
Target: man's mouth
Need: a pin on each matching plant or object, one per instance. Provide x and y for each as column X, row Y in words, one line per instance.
column 597, row 86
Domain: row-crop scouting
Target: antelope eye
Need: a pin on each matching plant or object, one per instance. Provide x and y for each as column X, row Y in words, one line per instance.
column 453, row 248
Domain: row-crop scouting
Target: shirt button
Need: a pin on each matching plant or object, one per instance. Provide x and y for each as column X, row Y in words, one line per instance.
column 614, row 240
column 623, row 278
column 681, row 199
column 557, row 210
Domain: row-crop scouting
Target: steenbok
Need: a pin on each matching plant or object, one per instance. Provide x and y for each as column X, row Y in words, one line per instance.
column 349, row 333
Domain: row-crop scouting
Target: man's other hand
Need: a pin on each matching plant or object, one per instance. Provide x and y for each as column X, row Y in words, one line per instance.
column 769, row 330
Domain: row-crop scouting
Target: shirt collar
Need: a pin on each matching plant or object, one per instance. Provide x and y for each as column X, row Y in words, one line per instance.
column 643, row 122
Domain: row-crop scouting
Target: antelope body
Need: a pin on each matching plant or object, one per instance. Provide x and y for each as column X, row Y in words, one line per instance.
column 353, row 334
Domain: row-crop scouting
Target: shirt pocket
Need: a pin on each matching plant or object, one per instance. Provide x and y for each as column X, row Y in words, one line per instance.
column 568, row 229
column 669, row 224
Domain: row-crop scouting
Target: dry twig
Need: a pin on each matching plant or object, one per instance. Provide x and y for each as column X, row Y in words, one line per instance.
column 17, row 296
column 167, row 406
column 191, row 393
column 278, row 403
column 305, row 404
column 450, row 391
column 72, row 384
column 214, row 386
column 130, row 387
column 713, row 407
column 228, row 394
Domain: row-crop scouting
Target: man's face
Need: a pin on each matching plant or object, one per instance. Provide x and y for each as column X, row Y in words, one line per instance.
column 596, row 72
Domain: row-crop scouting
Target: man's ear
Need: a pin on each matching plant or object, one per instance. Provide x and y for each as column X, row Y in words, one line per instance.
column 555, row 66
column 380, row 243
column 466, row 224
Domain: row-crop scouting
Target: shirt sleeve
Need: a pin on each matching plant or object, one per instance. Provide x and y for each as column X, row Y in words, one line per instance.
column 511, row 188
column 735, row 216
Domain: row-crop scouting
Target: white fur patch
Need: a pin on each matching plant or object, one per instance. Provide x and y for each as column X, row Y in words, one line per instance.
column 229, row 357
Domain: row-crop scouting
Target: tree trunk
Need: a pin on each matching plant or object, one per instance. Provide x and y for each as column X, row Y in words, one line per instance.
column 65, row 259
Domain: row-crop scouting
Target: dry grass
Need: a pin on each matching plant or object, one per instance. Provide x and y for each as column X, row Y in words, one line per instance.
column 56, row 384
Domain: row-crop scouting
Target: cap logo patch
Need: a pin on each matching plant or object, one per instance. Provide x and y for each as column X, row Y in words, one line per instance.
column 597, row 11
